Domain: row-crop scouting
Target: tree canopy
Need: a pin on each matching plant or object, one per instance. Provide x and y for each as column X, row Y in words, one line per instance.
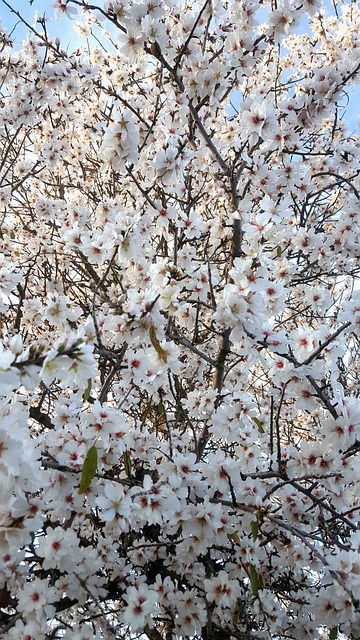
column 180, row 315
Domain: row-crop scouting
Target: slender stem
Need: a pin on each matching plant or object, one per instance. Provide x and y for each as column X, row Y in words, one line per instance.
column 324, row 344
column 191, row 347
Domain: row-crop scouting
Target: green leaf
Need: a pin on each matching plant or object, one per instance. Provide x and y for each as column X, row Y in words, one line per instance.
column 333, row 633
column 258, row 424
column 89, row 469
column 87, row 390
column 127, row 463
column 255, row 529
column 354, row 600
column 254, row 580
column 278, row 251
column 237, row 612
column 235, row 537
column 163, row 355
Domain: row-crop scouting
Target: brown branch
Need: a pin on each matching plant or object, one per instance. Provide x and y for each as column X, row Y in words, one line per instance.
column 40, row 417
column 324, row 344
column 340, row 179
column 112, row 18
column 153, row 634
column 187, row 41
column 189, row 345
column 10, row 624
column 321, row 503
column 208, row 142
column 325, row 400
column 224, row 349
column 118, row 363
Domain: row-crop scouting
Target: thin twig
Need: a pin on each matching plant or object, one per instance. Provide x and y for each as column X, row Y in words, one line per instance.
column 187, row 41
column 324, row 344
column 189, row 345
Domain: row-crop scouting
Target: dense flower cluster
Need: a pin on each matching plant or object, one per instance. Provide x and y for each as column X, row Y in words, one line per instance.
column 180, row 321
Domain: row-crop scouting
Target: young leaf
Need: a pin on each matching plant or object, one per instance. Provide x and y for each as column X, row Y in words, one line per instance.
column 259, row 425
column 163, row 355
column 160, row 408
column 333, row 633
column 238, row 609
column 127, row 463
column 87, row 390
column 234, row 536
column 255, row 529
column 89, row 469
column 254, row 580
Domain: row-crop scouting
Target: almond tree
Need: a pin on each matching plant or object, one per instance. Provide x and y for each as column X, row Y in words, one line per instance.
column 180, row 312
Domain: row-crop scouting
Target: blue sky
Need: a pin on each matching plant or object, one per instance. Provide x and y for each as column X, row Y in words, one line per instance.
column 64, row 29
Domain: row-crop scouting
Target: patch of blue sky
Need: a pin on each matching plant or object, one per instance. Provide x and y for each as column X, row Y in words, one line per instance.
column 40, row 8
column 350, row 111
column 349, row 107
column 64, row 28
